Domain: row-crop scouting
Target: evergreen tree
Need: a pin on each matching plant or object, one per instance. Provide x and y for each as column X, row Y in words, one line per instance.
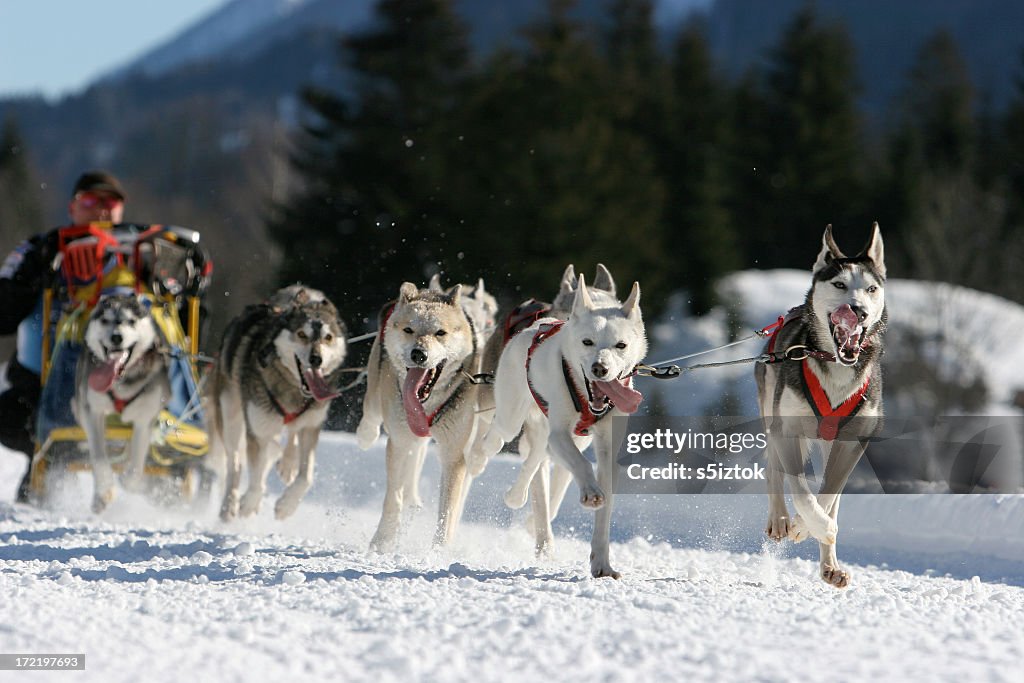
column 699, row 230
column 799, row 151
column 932, row 151
column 550, row 175
column 20, row 211
column 1013, row 152
column 372, row 163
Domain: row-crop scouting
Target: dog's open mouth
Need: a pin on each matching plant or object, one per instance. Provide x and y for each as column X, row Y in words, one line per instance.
column 110, row 369
column 619, row 391
column 847, row 333
column 313, row 382
column 419, row 382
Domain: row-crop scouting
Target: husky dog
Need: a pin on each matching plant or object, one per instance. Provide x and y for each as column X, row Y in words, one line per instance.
column 482, row 309
column 123, row 370
column 277, row 370
column 556, row 381
column 603, row 292
column 838, row 332
column 418, row 387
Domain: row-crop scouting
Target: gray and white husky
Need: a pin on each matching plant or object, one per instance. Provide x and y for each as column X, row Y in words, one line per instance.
column 561, row 382
column 834, row 394
column 122, row 369
column 418, row 387
column 276, row 373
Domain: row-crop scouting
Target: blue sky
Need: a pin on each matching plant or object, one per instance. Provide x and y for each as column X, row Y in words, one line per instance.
column 58, row 46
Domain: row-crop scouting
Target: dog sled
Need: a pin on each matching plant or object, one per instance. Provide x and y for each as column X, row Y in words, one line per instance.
column 166, row 267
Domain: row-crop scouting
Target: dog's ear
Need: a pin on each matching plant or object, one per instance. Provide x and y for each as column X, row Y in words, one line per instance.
column 435, row 283
column 582, row 302
column 604, row 280
column 829, row 250
column 478, row 292
column 875, row 250
column 631, row 309
column 407, row 292
column 455, row 295
column 568, row 284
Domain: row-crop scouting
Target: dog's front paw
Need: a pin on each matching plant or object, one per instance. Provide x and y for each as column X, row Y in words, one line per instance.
column 250, row 504
column 229, row 508
column 367, row 433
column 101, row 500
column 515, row 497
column 601, row 568
column 834, row 576
column 286, row 505
column 591, row 497
column 778, row 527
column 287, row 469
column 798, row 531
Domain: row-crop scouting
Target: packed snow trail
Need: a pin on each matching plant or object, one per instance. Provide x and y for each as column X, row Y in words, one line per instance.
column 153, row 594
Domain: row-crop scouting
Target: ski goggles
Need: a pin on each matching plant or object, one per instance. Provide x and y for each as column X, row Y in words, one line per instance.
column 91, row 200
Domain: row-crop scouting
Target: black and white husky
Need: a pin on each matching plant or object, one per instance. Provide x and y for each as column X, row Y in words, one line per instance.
column 122, row 369
column 830, row 390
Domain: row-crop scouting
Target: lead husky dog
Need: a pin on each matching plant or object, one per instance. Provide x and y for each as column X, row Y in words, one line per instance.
column 418, row 387
column 276, row 373
column 123, row 369
column 559, row 381
column 840, row 324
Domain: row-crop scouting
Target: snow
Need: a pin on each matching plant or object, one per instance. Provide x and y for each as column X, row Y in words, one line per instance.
column 162, row 593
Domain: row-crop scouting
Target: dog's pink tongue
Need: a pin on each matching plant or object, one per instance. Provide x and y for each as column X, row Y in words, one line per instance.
column 318, row 386
column 845, row 318
column 847, row 327
column 415, row 378
column 626, row 398
column 104, row 376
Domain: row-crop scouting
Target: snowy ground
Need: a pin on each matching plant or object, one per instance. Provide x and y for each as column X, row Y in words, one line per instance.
column 158, row 594
column 154, row 594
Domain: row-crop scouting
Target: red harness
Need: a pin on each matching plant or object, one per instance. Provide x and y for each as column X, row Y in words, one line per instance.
column 121, row 403
column 830, row 419
column 588, row 417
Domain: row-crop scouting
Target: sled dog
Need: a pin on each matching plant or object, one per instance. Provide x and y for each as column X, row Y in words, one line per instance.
column 418, row 387
column 833, row 394
column 482, row 309
column 560, row 382
column 603, row 293
column 122, row 369
column 276, row 373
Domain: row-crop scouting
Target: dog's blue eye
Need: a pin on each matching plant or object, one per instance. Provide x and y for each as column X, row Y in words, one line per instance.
column 839, row 285
column 588, row 342
column 440, row 333
column 407, row 330
column 620, row 345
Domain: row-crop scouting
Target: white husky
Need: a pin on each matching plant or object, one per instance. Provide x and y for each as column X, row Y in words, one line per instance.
column 560, row 382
